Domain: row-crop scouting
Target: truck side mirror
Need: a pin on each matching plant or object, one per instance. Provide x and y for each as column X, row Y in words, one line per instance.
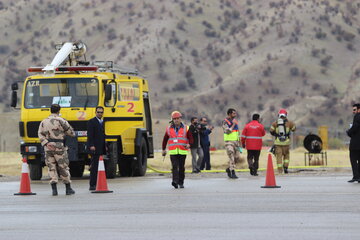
column 108, row 92
column 14, row 86
column 13, row 99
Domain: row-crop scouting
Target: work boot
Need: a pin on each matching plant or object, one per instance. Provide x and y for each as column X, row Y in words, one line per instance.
column 175, row 185
column 54, row 189
column 228, row 172
column 233, row 175
column 69, row 190
column 286, row 170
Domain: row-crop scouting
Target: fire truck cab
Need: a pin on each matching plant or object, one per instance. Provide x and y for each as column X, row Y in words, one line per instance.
column 78, row 88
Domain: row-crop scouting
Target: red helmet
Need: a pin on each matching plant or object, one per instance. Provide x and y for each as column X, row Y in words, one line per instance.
column 176, row 114
column 282, row 113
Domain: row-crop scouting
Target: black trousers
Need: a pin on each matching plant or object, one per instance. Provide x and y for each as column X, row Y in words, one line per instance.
column 355, row 163
column 178, row 168
column 94, row 165
column 253, row 158
column 206, row 160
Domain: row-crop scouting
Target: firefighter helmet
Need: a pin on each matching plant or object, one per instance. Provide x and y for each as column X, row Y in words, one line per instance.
column 176, row 114
column 282, row 113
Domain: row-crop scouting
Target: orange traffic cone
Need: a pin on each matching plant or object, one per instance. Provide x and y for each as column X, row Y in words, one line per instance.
column 101, row 184
column 270, row 176
column 25, row 180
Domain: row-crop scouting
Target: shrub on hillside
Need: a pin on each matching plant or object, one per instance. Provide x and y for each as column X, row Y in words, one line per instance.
column 194, row 53
column 325, row 61
column 350, row 47
column 181, row 25
column 162, row 75
column 294, row 71
column 267, row 72
column 199, row 10
column 251, row 45
column 180, row 86
column 210, row 33
column 357, row 72
column 315, row 87
column 287, row 103
column 4, row 49
column 111, row 34
column 348, row 36
column 320, row 35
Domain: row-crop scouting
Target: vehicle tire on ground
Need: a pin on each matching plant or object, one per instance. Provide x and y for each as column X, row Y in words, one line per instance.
column 125, row 166
column 139, row 165
column 77, row 168
column 111, row 163
column 35, row 170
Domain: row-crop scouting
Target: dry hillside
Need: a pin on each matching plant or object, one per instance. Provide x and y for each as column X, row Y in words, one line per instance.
column 203, row 56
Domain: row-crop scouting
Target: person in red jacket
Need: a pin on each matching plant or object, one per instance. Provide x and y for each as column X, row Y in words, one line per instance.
column 251, row 139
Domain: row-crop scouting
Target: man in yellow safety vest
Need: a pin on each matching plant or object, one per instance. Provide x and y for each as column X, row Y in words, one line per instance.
column 178, row 139
column 232, row 141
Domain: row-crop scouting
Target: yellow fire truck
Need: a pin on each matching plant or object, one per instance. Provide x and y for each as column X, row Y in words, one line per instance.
column 79, row 87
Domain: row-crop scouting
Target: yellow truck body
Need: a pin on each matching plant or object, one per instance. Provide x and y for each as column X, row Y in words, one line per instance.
column 127, row 117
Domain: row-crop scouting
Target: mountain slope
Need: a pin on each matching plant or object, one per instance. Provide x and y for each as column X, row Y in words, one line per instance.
column 202, row 57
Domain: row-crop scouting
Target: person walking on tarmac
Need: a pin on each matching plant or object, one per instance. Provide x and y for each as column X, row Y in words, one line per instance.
column 354, row 147
column 205, row 131
column 232, row 144
column 179, row 139
column 195, row 147
column 52, row 131
column 251, row 139
column 281, row 129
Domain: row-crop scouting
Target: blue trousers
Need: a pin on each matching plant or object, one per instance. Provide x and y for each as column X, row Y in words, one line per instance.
column 206, row 160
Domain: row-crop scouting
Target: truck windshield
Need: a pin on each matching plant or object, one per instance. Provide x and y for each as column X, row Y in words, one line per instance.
column 68, row 92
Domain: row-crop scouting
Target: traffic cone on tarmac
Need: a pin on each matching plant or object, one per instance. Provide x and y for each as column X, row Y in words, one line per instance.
column 270, row 176
column 25, row 180
column 101, row 184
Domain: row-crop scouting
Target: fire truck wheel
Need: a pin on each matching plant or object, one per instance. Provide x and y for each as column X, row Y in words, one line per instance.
column 140, row 164
column 111, row 163
column 76, row 168
column 35, row 170
column 125, row 166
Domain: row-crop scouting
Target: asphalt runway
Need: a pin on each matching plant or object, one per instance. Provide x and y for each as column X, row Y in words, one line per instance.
column 215, row 207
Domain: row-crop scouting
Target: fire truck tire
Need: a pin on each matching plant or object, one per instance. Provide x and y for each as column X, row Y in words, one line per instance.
column 35, row 170
column 77, row 168
column 125, row 166
column 111, row 163
column 140, row 164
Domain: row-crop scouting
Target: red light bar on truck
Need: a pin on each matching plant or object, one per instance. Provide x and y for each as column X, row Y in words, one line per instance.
column 67, row 69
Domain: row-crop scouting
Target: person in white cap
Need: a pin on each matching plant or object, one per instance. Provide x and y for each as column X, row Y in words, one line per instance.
column 281, row 129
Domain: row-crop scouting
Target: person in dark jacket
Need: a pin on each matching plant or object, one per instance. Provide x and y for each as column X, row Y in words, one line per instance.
column 195, row 147
column 354, row 147
column 205, row 143
column 95, row 143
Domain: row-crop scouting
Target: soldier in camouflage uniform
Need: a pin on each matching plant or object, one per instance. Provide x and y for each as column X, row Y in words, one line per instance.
column 232, row 141
column 52, row 131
